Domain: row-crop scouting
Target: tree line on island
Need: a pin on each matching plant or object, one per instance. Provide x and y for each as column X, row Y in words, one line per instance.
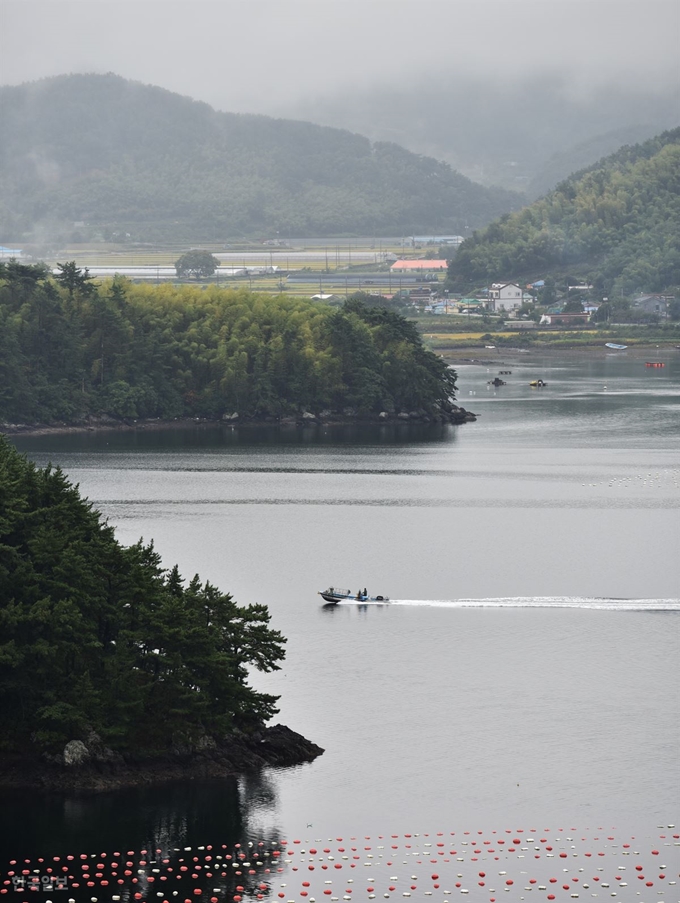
column 96, row 637
column 70, row 349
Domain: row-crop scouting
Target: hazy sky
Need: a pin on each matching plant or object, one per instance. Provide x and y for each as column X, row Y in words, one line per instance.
column 259, row 55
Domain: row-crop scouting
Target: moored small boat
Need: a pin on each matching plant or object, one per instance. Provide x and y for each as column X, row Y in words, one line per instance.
column 615, row 346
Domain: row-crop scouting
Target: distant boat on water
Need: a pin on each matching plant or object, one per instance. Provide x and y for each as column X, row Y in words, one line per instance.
column 615, row 346
column 333, row 596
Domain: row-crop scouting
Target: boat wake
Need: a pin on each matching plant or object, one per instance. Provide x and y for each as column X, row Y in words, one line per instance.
column 599, row 604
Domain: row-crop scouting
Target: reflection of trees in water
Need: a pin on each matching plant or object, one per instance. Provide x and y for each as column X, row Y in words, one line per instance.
column 205, row 832
column 260, row 803
column 164, row 816
column 167, row 815
column 258, row 790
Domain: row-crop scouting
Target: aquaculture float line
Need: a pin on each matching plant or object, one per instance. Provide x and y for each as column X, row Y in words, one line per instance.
column 508, row 865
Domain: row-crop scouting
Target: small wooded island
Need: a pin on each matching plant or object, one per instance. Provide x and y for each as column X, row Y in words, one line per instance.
column 73, row 352
column 113, row 670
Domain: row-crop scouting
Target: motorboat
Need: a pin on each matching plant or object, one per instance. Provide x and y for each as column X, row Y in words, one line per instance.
column 333, row 595
column 537, row 383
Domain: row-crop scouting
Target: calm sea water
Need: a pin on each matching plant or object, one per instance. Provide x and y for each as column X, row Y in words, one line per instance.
column 527, row 669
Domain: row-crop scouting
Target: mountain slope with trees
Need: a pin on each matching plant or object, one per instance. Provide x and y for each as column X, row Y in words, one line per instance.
column 616, row 224
column 119, row 156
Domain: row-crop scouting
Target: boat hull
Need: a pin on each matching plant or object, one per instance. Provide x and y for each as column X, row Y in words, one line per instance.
column 334, row 598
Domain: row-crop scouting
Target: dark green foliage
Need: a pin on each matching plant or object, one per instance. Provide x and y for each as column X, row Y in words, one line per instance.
column 73, row 279
column 126, row 157
column 415, row 376
column 616, row 223
column 95, row 635
column 167, row 351
column 196, row 264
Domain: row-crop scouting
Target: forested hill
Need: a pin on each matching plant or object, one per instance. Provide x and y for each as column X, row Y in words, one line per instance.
column 122, row 156
column 616, row 224
column 70, row 349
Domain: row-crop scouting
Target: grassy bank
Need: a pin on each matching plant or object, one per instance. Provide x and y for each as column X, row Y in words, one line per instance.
column 441, row 340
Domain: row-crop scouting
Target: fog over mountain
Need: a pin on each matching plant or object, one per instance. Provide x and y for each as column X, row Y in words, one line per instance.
column 525, row 133
column 496, row 88
column 119, row 157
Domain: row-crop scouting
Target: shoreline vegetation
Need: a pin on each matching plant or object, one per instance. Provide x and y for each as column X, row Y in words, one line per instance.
column 114, row 670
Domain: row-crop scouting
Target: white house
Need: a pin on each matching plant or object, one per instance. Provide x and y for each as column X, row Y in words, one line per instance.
column 505, row 296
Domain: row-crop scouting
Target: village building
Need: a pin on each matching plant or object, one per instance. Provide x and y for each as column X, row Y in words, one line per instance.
column 504, row 296
column 653, row 304
column 422, row 295
column 472, row 305
column 419, row 267
column 521, row 324
column 562, row 319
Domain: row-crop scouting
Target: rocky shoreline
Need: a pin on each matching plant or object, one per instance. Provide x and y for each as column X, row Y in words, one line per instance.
column 91, row 766
column 451, row 414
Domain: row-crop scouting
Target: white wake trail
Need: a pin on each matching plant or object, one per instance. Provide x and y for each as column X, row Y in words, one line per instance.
column 600, row 604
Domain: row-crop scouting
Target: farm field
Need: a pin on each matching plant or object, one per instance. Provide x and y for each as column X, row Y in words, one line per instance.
column 293, row 254
column 300, row 266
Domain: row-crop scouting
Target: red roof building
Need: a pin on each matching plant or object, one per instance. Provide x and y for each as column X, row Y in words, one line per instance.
column 415, row 266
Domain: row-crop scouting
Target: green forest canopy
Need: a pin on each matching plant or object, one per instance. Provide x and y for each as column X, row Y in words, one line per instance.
column 616, row 224
column 122, row 157
column 70, row 348
column 98, row 636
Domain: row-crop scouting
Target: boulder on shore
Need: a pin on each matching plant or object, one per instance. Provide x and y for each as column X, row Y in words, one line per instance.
column 76, row 754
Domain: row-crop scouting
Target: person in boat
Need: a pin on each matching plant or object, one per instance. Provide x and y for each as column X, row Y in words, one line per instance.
column 365, row 593
column 359, row 595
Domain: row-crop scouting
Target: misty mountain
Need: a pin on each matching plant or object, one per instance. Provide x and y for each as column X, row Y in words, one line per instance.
column 616, row 224
column 116, row 155
column 502, row 132
column 563, row 164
